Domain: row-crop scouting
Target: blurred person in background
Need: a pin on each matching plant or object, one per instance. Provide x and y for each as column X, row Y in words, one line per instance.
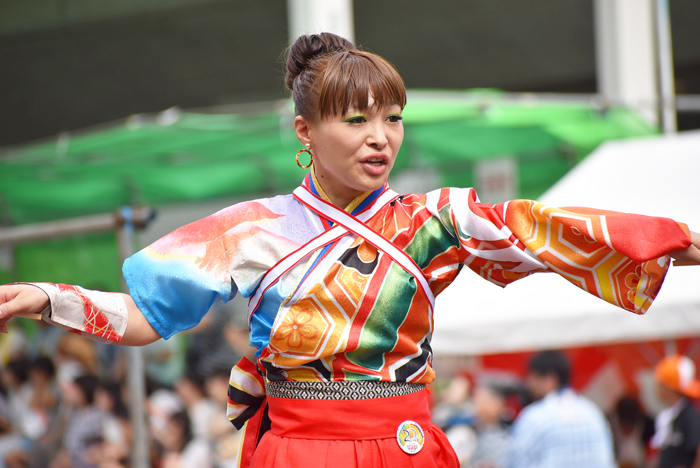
column 74, row 356
column 40, row 412
column 43, row 339
column 678, row 426
column 632, row 430
column 76, row 369
column 181, row 449
column 455, row 405
column 85, row 426
column 160, row 405
column 560, row 428
column 17, row 396
column 13, row 344
column 379, row 259
column 32, row 402
column 226, row 439
column 236, row 334
column 200, row 409
column 116, row 428
column 44, row 391
column 165, row 361
column 209, row 347
column 454, row 414
column 493, row 435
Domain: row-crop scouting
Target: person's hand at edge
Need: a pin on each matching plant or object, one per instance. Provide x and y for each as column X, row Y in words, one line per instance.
column 689, row 256
column 20, row 300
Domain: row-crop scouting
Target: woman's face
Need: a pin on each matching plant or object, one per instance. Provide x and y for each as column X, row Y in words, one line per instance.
column 355, row 152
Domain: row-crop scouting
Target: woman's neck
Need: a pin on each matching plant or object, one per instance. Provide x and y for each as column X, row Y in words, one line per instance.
column 340, row 199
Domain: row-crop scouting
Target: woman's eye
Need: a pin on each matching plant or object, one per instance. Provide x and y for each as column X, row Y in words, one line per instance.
column 357, row 119
column 394, row 118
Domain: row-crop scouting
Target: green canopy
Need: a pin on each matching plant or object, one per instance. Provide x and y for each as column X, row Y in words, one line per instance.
column 191, row 157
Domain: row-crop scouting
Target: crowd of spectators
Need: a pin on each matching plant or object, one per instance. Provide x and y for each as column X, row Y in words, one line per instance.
column 64, row 399
column 64, row 403
column 498, row 422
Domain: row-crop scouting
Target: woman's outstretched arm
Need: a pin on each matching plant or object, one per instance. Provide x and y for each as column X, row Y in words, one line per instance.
column 26, row 300
column 621, row 258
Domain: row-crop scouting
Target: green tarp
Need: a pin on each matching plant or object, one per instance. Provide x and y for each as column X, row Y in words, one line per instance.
column 91, row 261
column 203, row 156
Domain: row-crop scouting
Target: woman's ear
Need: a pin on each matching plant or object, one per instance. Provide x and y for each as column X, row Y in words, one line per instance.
column 302, row 130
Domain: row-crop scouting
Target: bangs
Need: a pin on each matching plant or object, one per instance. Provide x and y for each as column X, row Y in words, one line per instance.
column 351, row 77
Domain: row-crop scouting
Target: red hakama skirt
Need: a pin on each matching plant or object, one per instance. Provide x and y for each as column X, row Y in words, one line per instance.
column 350, row 433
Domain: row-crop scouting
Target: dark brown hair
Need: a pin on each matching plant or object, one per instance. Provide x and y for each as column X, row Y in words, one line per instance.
column 551, row 363
column 327, row 76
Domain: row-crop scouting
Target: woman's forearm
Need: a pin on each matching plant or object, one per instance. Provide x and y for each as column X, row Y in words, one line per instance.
column 139, row 331
column 101, row 316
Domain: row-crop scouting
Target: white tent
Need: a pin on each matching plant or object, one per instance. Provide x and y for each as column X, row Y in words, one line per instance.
column 654, row 176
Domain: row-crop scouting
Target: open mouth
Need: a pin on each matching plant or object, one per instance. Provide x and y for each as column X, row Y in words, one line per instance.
column 376, row 162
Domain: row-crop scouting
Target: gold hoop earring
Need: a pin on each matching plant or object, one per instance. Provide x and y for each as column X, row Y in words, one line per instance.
column 310, row 162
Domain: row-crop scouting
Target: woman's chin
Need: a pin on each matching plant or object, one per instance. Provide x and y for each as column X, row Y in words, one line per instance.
column 370, row 182
column 371, row 187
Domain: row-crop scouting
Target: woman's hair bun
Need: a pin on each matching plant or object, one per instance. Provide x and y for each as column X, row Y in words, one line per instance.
column 307, row 48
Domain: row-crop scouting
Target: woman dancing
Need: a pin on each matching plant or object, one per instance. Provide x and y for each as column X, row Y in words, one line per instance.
column 342, row 276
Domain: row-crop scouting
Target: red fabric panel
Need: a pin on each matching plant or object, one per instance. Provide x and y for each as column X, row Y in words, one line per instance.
column 285, row 452
column 350, row 433
column 376, row 418
column 250, row 438
column 642, row 238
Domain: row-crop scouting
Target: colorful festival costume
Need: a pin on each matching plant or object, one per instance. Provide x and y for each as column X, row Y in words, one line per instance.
column 341, row 303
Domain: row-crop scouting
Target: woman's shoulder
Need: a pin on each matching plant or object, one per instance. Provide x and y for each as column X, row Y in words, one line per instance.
column 262, row 206
column 264, row 214
column 250, row 211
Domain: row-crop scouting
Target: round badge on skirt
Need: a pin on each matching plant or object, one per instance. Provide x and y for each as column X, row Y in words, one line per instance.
column 410, row 437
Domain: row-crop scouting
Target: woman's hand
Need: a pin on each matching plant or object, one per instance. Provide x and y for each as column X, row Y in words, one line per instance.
column 20, row 300
column 689, row 256
column 26, row 300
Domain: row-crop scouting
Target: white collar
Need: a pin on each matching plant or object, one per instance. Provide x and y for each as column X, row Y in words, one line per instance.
column 664, row 424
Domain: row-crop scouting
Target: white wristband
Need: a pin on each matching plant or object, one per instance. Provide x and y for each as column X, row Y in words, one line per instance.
column 98, row 315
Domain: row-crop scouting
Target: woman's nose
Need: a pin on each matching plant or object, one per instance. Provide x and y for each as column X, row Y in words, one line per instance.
column 377, row 136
